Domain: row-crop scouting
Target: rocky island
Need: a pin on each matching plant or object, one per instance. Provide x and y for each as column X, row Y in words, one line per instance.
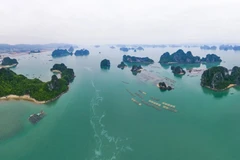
column 211, row 58
column 136, row 69
column 60, row 53
column 177, row 70
column 218, row 78
column 187, row 58
column 8, row 63
column 105, row 64
column 81, row 52
column 206, row 47
column 14, row 86
column 141, row 60
column 122, row 65
column 163, row 86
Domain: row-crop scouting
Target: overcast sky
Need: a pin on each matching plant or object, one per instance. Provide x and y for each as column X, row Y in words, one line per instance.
column 119, row 21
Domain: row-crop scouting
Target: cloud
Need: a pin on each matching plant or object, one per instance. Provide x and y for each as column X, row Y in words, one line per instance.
column 119, row 21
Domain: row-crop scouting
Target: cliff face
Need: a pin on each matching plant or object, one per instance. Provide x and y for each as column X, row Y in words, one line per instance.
column 9, row 61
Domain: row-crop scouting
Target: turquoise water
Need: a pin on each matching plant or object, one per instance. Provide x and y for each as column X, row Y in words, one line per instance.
column 96, row 118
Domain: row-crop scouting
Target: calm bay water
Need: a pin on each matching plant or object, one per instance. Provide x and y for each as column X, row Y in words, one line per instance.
column 96, row 118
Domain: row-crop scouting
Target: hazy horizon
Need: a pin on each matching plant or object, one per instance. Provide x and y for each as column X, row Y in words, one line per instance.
column 119, row 22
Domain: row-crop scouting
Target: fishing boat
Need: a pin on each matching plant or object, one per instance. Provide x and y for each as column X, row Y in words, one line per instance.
column 34, row 118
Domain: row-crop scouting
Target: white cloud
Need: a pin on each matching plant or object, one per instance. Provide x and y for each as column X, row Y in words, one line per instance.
column 119, row 21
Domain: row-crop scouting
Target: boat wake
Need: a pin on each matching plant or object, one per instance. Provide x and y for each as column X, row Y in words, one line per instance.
column 107, row 147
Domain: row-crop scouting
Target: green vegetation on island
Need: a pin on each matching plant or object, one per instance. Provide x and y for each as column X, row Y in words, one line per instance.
column 136, row 69
column 187, row 58
column 81, row 52
column 13, row 84
column 105, row 64
column 8, row 61
column 218, row 78
column 133, row 59
column 60, row 53
column 122, row 65
column 178, row 70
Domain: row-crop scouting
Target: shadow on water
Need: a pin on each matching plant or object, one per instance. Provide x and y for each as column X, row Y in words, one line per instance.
column 190, row 66
column 165, row 66
column 178, row 76
column 215, row 94
column 209, row 65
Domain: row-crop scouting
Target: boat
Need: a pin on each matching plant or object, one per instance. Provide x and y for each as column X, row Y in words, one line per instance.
column 142, row 92
column 34, row 118
column 135, row 101
column 169, row 109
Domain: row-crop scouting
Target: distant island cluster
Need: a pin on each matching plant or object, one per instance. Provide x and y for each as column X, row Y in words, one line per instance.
column 65, row 52
column 15, row 86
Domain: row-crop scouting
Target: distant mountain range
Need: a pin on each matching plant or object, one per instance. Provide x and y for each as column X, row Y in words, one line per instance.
column 7, row 48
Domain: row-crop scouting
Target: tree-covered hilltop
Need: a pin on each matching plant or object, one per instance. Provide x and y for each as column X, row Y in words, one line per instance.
column 105, row 64
column 60, row 53
column 179, row 57
column 122, row 65
column 11, row 83
column 187, row 58
column 8, row 61
column 218, row 78
column 66, row 73
column 81, row 52
column 211, row 58
column 133, row 59
column 178, row 70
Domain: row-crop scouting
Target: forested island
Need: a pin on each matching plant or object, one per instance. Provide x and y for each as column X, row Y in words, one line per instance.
column 136, row 69
column 60, row 53
column 218, row 78
column 14, row 86
column 81, row 52
column 133, row 59
column 105, row 64
column 206, row 47
column 177, row 70
column 8, row 62
column 122, row 65
column 229, row 47
column 187, row 58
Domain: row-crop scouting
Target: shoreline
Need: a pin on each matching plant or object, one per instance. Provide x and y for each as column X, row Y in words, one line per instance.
column 28, row 98
column 228, row 87
column 8, row 66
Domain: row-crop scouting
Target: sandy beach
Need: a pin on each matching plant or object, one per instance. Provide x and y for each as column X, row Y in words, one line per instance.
column 57, row 71
column 24, row 97
column 8, row 66
column 229, row 86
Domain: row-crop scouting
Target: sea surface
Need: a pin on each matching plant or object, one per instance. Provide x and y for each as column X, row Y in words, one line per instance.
column 97, row 120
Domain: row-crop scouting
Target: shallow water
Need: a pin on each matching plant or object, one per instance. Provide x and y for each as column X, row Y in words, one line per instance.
column 96, row 118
